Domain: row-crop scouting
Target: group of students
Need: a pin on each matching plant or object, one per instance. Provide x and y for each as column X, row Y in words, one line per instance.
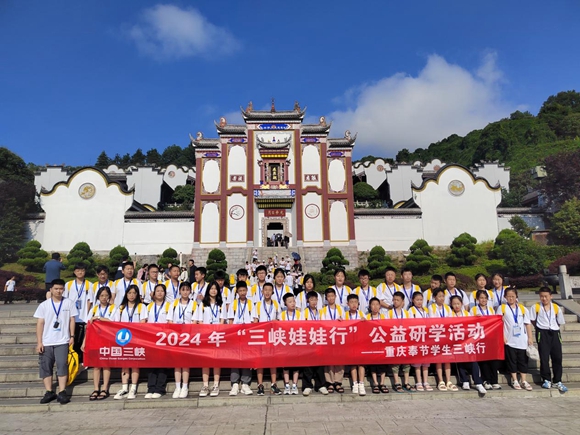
column 174, row 301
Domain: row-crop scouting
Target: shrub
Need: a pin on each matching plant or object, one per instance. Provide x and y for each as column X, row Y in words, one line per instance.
column 554, row 252
column 572, row 262
column 566, row 222
column 521, row 227
column 364, row 192
column 334, row 260
column 168, row 256
column 115, row 256
column 462, row 251
column 465, row 281
column 378, row 261
column 531, row 281
column 216, row 260
column 502, row 237
column 81, row 253
column 495, row 266
column 32, row 257
column 420, row 260
column 522, row 257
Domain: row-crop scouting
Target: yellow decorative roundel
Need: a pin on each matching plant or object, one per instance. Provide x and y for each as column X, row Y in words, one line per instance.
column 456, row 188
column 87, row 191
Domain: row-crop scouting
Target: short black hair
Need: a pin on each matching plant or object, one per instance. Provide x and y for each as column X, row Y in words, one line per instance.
column 173, row 266
column 340, row 270
column 329, row 290
column 241, row 284
column 483, row 292
column 479, row 275
column 372, row 300
column 287, row 296
column 219, row 274
column 351, row 297
column 448, row 274
column 406, row 269
column 242, row 272
column 125, row 264
column 400, row 294
column 390, row 269
column 102, row 268
column 55, row 255
column 279, row 270
column 545, row 290
column 363, row 272
column 185, row 284
column 152, row 266
column 103, row 289
column 202, row 270
column 268, row 284
column 260, row 268
column 437, row 291
column 80, row 266
column 311, row 294
column 511, row 289
column 437, row 278
column 452, row 298
column 57, row 281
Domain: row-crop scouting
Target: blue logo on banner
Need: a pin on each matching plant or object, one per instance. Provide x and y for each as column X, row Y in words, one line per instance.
column 123, row 337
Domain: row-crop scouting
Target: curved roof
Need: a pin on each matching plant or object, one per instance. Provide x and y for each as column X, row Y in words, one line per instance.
column 435, row 178
column 103, row 174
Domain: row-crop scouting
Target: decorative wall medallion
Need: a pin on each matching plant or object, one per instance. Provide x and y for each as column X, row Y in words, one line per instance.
column 171, row 174
column 236, row 212
column 380, row 168
column 312, row 211
column 87, row 191
column 456, row 188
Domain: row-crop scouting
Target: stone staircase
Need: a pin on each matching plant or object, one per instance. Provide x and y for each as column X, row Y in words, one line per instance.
column 21, row 388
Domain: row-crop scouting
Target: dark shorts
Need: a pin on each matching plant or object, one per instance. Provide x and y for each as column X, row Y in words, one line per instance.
column 291, row 369
column 54, row 354
column 516, row 360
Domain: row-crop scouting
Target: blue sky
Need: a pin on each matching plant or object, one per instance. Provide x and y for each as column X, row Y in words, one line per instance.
column 79, row 77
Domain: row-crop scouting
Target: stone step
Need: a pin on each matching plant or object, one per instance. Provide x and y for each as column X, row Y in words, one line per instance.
column 18, row 339
column 24, row 320
column 19, row 362
column 17, row 329
column 27, row 405
column 18, row 349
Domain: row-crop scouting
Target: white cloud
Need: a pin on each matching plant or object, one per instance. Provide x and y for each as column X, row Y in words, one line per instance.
column 402, row 111
column 167, row 32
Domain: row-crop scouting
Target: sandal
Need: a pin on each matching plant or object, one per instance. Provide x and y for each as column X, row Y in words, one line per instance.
column 419, row 387
column 338, row 388
column 398, row 388
column 94, row 395
column 451, row 387
column 330, row 389
column 384, row 389
column 376, row 390
column 527, row 386
column 427, row 386
column 103, row 395
column 408, row 388
column 441, row 386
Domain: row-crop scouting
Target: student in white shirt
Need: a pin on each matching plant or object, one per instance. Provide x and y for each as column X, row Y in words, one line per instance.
column 227, row 295
column 480, row 284
column 255, row 293
column 366, row 292
column 398, row 312
column 488, row 368
column 388, row 288
column 280, row 288
column 182, row 311
column 172, row 284
column 498, row 290
column 312, row 376
column 122, row 284
column 440, row 310
column 199, row 287
column 290, row 314
column 333, row 374
column 158, row 313
column 77, row 291
column 148, row 287
column 517, row 332
column 451, row 290
column 357, row 373
column 103, row 311
column 418, row 311
column 342, row 291
column 54, row 334
column 308, row 285
column 547, row 318
column 240, row 313
column 102, row 281
column 434, row 284
column 9, row 290
column 407, row 287
column 131, row 310
column 210, row 313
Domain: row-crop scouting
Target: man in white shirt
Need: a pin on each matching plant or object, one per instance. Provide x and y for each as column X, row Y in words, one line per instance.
column 9, row 288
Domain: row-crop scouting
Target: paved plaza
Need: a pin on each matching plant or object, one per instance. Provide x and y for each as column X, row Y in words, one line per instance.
column 471, row 416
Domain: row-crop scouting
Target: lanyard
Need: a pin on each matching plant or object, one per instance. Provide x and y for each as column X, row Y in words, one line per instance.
column 105, row 284
column 175, row 290
column 514, row 314
column 457, row 314
column 420, row 311
column 279, row 296
column 408, row 296
column 180, row 312
column 341, row 294
column 314, row 316
column 378, row 317
column 79, row 293
column 293, row 315
column 201, row 289
column 214, row 314
column 396, row 315
column 57, row 312
column 269, row 313
column 353, row 316
column 486, row 310
column 330, row 313
column 157, row 312
column 393, row 290
column 130, row 316
column 149, row 287
column 125, row 284
column 549, row 314
column 101, row 313
column 500, row 296
column 260, row 292
column 241, row 312
column 367, row 295
column 442, row 312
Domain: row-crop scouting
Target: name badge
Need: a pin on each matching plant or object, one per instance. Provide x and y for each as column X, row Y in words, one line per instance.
column 517, row 330
column 79, row 304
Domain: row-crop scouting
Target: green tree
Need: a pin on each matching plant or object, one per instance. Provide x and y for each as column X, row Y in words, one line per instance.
column 32, row 257
column 216, row 260
column 81, row 253
column 522, row 257
column 566, row 222
column 378, row 261
column 562, row 182
column 364, row 192
column 403, row 156
column 116, row 255
column 184, row 195
column 462, row 251
column 103, row 161
column 503, row 237
column 334, row 260
column 175, row 155
column 168, row 256
column 420, row 260
column 138, row 159
column 521, row 227
column 153, row 157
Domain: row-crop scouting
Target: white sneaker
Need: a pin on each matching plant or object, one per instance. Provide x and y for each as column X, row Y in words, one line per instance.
column 355, row 388
column 323, row 391
column 177, row 392
column 132, row 393
column 121, row 394
column 294, row 389
column 215, row 391
column 156, row 396
column 235, row 390
column 480, row 389
column 487, row 385
column 307, row 392
column 204, row 391
column 287, row 390
column 361, row 389
column 247, row 390
column 148, row 396
column 184, row 393
column 496, row 386
column 465, row 386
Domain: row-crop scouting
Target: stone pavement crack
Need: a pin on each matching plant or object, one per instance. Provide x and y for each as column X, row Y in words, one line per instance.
column 266, row 417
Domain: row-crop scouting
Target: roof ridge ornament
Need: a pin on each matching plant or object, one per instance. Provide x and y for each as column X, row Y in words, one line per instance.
column 273, row 108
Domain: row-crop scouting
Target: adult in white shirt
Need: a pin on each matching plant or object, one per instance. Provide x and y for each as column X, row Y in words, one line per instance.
column 9, row 290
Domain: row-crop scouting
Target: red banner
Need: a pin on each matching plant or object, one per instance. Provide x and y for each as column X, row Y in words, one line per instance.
column 295, row 344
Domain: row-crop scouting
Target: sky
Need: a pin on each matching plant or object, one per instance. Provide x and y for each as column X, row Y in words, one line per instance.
column 80, row 77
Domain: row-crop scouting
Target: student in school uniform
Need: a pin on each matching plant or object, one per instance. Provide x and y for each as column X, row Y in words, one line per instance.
column 480, row 284
column 267, row 310
column 342, row 290
column 498, row 290
column 357, row 373
column 255, row 293
column 388, row 288
column 439, row 309
column 54, row 334
column 77, row 291
column 227, row 296
column 172, row 284
column 332, row 311
column 313, row 376
column 378, row 371
column 434, row 284
column 366, row 292
column 547, row 317
column 199, row 287
column 308, row 285
column 407, row 287
column 122, row 284
column 131, row 310
column 418, row 311
column 210, row 313
column 290, row 314
column 158, row 313
column 182, row 312
column 280, row 288
column 399, row 313
column 451, row 290
column 102, row 281
column 240, row 312
column 517, row 333
column 241, row 275
column 102, row 311
column 488, row 368
column 148, row 287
